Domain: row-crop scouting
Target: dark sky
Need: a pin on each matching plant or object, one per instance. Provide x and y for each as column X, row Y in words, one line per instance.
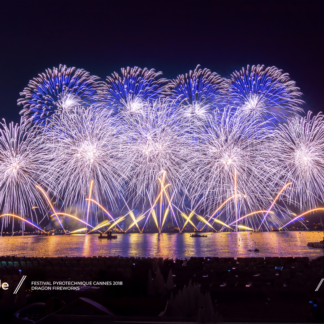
column 103, row 36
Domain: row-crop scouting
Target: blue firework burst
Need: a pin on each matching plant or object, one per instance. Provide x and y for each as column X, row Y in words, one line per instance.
column 60, row 88
column 128, row 92
column 265, row 93
column 198, row 92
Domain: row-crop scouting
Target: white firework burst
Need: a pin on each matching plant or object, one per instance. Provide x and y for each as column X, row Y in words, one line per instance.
column 154, row 147
column 228, row 161
column 299, row 148
column 24, row 159
column 85, row 145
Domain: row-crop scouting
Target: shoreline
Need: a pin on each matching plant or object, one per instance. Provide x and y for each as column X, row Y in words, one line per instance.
column 185, row 232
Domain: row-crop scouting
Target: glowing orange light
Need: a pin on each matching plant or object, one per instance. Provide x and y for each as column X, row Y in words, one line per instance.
column 189, row 220
column 165, row 216
column 245, row 227
column 137, row 220
column 152, row 208
column 303, row 214
column 116, row 222
column 102, row 224
column 134, row 220
column 155, row 219
column 79, row 230
column 131, row 215
column 273, row 203
column 90, row 193
column 21, row 218
column 219, row 208
column 94, row 201
column 189, row 217
column 170, row 204
column 74, row 217
column 162, row 185
column 206, row 223
column 52, row 207
column 250, row 214
column 222, row 223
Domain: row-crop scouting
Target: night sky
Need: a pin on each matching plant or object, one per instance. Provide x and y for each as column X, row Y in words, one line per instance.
column 173, row 37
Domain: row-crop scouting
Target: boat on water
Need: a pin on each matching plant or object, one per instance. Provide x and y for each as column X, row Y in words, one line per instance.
column 197, row 235
column 109, row 236
column 255, row 250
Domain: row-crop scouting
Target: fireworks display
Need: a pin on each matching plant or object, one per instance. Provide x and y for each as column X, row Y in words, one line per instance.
column 200, row 152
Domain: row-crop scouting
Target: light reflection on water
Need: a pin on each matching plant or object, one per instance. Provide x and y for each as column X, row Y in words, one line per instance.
column 166, row 245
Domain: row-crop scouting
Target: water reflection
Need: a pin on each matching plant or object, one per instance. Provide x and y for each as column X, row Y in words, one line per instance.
column 166, row 245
